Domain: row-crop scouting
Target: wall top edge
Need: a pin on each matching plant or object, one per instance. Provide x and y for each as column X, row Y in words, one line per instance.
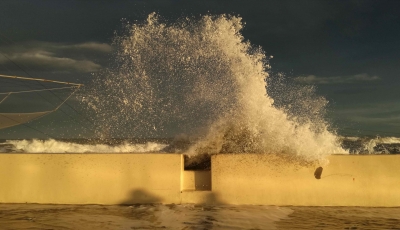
column 91, row 153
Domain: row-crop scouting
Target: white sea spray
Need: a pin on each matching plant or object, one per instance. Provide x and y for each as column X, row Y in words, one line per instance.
column 201, row 78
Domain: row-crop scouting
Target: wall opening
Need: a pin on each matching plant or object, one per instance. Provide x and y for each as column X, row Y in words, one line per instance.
column 197, row 173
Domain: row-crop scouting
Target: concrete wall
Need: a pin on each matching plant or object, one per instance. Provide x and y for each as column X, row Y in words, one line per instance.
column 90, row 178
column 196, row 180
column 348, row 180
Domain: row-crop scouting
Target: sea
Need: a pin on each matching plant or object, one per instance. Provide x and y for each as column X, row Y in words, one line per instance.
column 350, row 145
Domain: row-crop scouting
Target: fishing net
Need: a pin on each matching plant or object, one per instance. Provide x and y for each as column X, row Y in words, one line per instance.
column 13, row 119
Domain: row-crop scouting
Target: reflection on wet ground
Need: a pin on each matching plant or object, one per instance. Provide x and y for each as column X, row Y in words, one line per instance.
column 341, row 218
column 189, row 216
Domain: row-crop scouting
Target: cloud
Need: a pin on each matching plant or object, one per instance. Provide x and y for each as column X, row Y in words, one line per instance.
column 101, row 47
column 312, row 79
column 47, row 56
column 41, row 60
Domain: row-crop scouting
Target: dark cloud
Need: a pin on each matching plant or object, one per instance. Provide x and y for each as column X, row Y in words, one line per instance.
column 47, row 56
column 312, row 79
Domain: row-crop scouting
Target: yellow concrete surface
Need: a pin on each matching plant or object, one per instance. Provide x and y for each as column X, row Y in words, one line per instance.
column 90, row 178
column 199, row 197
column 348, row 180
column 196, row 180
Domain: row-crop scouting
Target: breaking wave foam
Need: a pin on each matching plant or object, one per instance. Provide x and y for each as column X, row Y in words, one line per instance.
column 201, row 78
column 375, row 145
column 54, row 146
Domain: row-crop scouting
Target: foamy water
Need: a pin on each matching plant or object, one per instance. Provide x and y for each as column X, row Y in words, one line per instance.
column 53, row 146
column 355, row 145
column 371, row 145
column 375, row 145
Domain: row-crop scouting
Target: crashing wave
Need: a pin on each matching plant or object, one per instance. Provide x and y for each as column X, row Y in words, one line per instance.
column 201, row 78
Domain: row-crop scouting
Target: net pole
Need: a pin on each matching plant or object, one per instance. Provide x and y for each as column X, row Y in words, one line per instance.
column 5, row 97
column 40, row 79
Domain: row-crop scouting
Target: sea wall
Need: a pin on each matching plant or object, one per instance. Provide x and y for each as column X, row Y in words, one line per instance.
column 90, row 178
column 348, row 180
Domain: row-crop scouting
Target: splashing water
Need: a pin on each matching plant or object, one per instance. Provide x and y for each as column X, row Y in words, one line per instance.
column 199, row 77
column 371, row 145
column 54, row 146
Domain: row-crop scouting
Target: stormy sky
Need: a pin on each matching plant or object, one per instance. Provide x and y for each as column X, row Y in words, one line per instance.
column 348, row 49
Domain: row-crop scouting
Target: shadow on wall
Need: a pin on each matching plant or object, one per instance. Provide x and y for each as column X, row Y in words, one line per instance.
column 212, row 198
column 140, row 196
column 202, row 180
